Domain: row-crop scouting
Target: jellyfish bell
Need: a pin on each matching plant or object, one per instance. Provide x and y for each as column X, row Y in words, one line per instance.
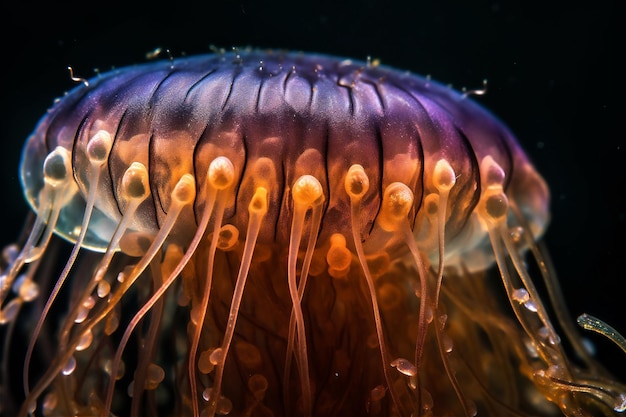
column 288, row 234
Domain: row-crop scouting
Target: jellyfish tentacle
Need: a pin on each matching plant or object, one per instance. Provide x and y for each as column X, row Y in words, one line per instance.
column 220, row 176
column 497, row 206
column 141, row 377
column 425, row 307
column 307, row 194
column 316, row 220
column 414, row 254
column 444, row 179
column 183, row 195
column 558, row 377
column 557, row 300
column 356, row 186
column 609, row 395
column 553, row 338
column 257, row 209
column 393, row 217
column 589, row 322
column 220, row 179
column 134, row 190
column 98, row 149
column 396, row 203
column 58, row 187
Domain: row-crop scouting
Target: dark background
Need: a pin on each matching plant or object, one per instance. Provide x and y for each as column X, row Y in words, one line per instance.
column 555, row 76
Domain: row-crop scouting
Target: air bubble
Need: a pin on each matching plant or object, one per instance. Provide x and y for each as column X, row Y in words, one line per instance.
column 516, row 233
column 18, row 283
column 29, row 290
column 442, row 321
column 69, row 367
column 50, row 402
column 10, row 253
column 204, row 361
column 531, row 306
column 81, row 314
column 9, row 312
column 85, row 341
column 554, row 371
column 216, row 356
column 224, row 405
column 430, row 315
column 206, row 394
column 195, row 314
column 89, row 302
column 531, row 348
column 521, row 295
column 112, row 321
column 104, row 288
column 155, row 374
column 119, row 372
column 404, row 366
column 427, row 401
column 552, row 338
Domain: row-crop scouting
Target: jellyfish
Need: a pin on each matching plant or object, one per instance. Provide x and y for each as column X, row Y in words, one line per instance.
column 268, row 233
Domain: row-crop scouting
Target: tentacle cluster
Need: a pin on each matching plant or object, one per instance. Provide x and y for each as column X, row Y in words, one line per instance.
column 252, row 277
column 402, row 385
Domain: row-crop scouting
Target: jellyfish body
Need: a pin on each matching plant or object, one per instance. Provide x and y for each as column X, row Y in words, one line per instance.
column 264, row 233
